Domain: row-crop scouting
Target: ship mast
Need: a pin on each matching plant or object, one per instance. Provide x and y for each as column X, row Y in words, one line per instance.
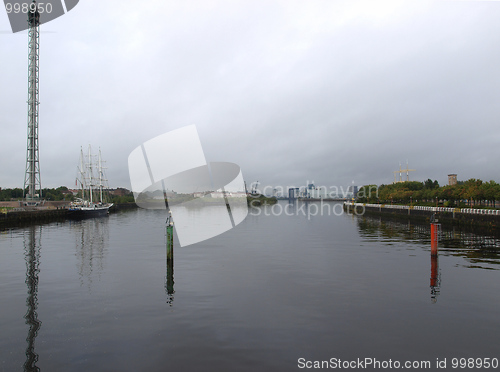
column 100, row 174
column 32, row 177
column 82, row 173
column 90, row 174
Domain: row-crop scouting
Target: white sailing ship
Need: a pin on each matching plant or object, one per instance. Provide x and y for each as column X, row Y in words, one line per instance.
column 91, row 181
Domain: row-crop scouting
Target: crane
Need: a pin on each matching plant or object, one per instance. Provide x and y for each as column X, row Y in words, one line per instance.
column 400, row 171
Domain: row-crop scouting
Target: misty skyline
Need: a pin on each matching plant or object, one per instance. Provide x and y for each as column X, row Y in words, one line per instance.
column 294, row 92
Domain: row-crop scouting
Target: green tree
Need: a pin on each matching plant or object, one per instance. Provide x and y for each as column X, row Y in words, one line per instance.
column 429, row 184
column 471, row 190
column 367, row 194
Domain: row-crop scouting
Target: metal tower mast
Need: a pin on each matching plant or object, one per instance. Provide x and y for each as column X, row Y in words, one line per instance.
column 32, row 178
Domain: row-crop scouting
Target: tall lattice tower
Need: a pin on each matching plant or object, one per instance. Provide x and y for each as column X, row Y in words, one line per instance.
column 32, row 179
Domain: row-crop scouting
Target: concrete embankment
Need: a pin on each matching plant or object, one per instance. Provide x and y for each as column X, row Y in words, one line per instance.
column 122, row 206
column 22, row 217
column 461, row 217
column 14, row 215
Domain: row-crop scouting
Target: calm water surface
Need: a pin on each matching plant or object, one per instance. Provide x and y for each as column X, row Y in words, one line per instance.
column 96, row 295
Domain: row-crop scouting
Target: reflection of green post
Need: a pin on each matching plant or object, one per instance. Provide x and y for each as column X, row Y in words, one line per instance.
column 170, row 281
column 170, row 259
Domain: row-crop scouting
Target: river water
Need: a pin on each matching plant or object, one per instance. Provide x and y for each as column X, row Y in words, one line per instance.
column 276, row 293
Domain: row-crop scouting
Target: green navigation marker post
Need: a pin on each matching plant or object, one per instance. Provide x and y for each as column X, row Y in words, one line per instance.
column 170, row 238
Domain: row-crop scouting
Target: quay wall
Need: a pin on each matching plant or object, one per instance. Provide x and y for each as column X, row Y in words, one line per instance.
column 462, row 217
column 23, row 217
column 122, row 206
column 50, row 211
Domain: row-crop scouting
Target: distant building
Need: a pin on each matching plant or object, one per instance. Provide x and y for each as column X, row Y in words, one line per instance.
column 452, row 179
column 293, row 193
column 216, row 195
column 73, row 191
column 354, row 191
column 318, row 193
column 222, row 194
column 351, row 192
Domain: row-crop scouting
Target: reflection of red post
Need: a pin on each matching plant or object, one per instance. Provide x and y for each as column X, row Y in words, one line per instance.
column 434, row 270
column 434, row 239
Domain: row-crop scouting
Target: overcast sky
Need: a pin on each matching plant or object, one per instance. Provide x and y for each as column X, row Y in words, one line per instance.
column 292, row 91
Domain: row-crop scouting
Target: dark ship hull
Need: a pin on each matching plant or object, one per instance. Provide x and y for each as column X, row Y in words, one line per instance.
column 78, row 213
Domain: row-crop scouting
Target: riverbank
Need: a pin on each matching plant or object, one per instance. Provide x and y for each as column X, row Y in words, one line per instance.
column 12, row 214
column 256, row 200
column 484, row 219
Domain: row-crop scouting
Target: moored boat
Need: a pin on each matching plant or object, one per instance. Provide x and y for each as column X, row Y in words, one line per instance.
column 92, row 202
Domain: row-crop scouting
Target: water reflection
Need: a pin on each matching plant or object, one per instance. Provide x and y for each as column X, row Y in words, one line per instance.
column 169, row 245
column 92, row 236
column 435, row 278
column 32, row 238
column 195, row 223
column 169, row 284
column 479, row 251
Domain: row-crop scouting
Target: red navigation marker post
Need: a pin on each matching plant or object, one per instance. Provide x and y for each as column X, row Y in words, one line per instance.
column 434, row 235
column 435, row 227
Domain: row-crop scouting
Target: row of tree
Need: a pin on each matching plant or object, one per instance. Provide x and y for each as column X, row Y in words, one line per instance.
column 473, row 192
column 60, row 193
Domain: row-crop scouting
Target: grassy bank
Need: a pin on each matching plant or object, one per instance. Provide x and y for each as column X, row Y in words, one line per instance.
column 258, row 199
